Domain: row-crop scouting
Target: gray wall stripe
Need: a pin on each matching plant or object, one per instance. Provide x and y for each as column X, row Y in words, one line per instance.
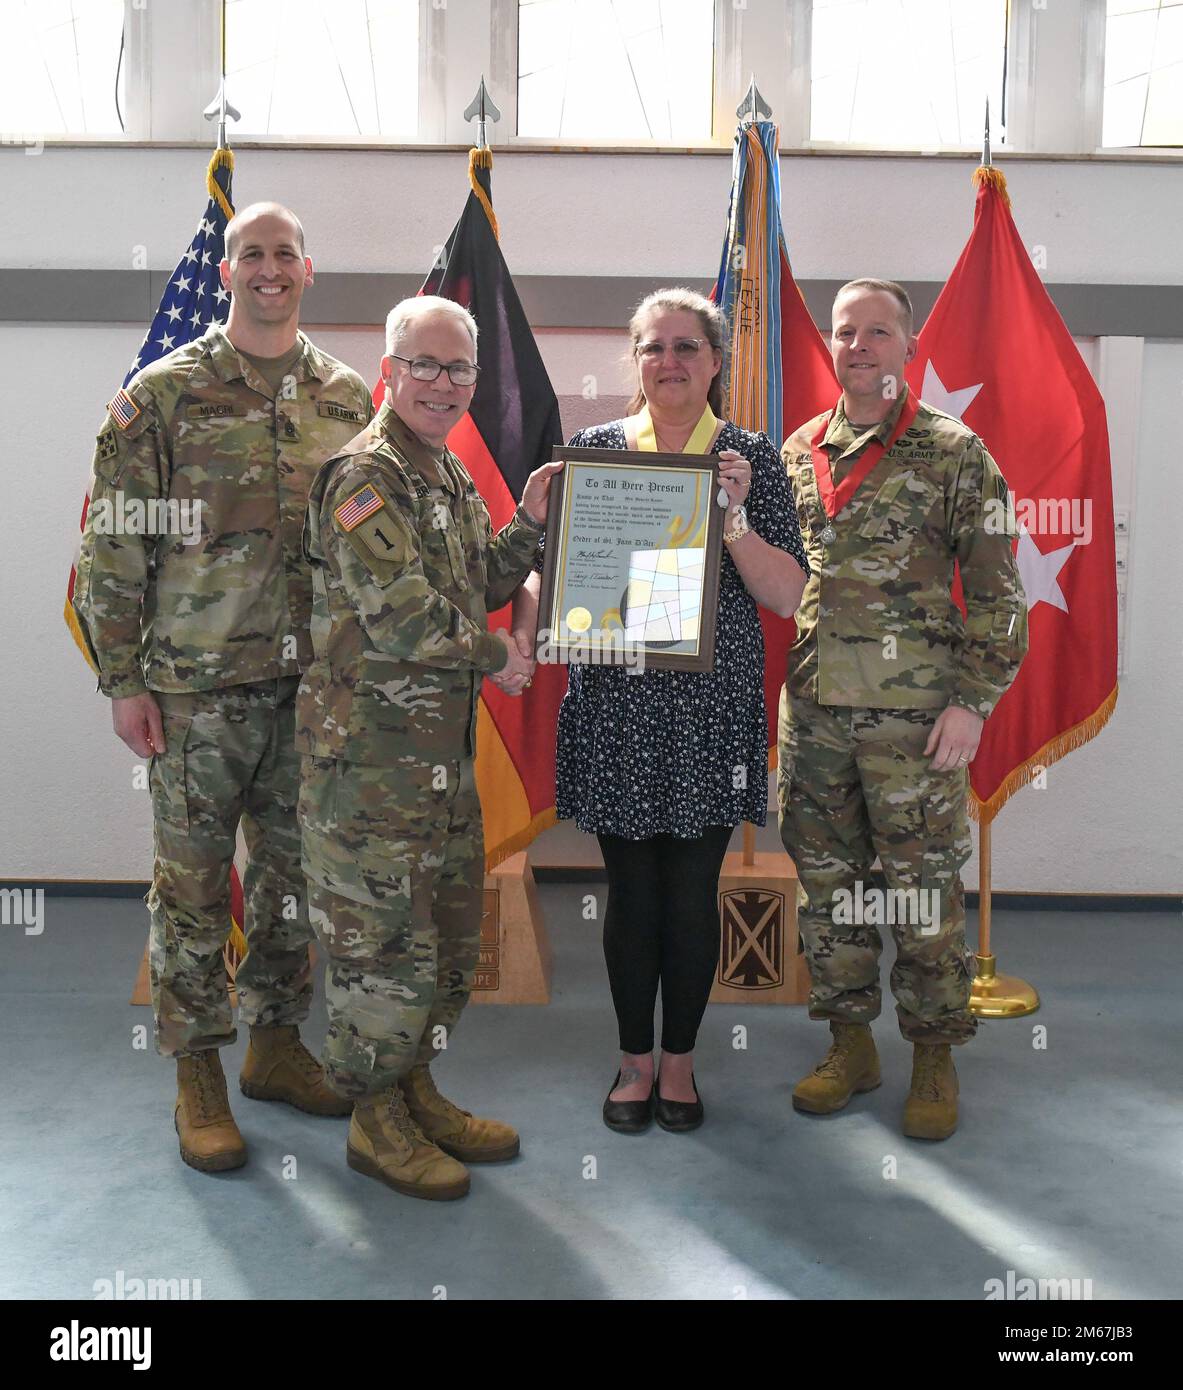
column 550, row 301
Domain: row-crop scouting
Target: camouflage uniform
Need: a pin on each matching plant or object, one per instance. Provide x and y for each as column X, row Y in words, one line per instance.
column 405, row 570
column 217, row 630
column 881, row 649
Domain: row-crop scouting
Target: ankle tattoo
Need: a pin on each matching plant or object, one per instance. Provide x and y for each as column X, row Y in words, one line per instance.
column 629, row 1076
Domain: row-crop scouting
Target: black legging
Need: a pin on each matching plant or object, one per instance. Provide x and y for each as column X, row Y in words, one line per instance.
column 662, row 924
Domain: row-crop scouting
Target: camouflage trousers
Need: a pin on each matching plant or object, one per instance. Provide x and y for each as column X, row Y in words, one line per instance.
column 229, row 758
column 395, row 863
column 853, row 784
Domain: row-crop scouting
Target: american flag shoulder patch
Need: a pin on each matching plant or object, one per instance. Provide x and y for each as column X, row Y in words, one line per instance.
column 124, row 411
column 354, row 510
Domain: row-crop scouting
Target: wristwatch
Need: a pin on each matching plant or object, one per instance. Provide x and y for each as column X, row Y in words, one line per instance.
column 741, row 525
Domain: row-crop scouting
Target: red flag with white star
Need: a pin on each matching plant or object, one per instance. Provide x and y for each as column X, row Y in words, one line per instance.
column 996, row 354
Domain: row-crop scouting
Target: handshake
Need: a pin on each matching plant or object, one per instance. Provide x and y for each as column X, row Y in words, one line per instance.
column 518, row 672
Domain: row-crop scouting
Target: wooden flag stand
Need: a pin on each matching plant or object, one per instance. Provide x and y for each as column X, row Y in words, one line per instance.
column 515, row 962
column 761, row 959
column 994, row 995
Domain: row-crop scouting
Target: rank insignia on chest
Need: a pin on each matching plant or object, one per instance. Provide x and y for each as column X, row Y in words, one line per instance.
column 354, row 510
column 123, row 409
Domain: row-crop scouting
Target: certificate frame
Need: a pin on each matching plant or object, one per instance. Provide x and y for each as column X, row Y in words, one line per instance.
column 555, row 643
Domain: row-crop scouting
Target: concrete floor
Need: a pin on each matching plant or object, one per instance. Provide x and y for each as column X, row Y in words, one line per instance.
column 1068, row 1163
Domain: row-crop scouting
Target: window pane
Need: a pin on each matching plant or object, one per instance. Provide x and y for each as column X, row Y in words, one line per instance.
column 324, row 69
column 1143, row 73
column 57, row 67
column 616, row 69
column 913, row 73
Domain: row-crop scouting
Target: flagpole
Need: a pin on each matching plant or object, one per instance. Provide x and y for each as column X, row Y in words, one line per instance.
column 752, row 108
column 993, row 995
column 220, row 108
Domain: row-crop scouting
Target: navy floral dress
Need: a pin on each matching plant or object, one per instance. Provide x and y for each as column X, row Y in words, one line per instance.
column 662, row 752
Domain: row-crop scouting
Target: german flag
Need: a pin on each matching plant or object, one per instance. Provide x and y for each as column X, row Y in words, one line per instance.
column 510, row 429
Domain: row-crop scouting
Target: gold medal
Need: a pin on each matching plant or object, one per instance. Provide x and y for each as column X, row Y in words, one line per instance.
column 579, row 620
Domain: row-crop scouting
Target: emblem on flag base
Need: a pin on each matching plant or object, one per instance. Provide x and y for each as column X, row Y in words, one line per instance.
column 515, row 959
column 761, row 960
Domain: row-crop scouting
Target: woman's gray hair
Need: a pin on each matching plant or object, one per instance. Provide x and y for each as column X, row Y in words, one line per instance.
column 709, row 315
column 400, row 318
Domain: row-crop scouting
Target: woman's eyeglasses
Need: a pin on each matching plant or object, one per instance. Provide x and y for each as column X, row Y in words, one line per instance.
column 427, row 369
column 684, row 348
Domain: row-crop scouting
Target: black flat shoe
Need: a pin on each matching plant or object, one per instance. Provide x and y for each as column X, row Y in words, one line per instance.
column 679, row 1116
column 629, row 1116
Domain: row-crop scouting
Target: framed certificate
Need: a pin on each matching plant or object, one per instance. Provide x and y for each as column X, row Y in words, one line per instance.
column 631, row 568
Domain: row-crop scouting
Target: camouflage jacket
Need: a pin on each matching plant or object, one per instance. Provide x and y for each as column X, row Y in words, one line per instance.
column 405, row 570
column 877, row 625
column 191, row 574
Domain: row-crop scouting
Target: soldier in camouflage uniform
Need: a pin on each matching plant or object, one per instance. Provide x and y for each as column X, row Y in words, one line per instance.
column 198, row 624
column 887, row 691
column 405, row 570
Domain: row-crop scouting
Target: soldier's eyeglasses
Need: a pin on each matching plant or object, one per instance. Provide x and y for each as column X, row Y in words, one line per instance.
column 427, row 369
column 684, row 349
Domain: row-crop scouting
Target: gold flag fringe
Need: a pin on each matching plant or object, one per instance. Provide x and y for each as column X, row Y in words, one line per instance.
column 76, row 632
column 521, row 839
column 1051, row 752
column 222, row 159
column 482, row 159
column 987, row 175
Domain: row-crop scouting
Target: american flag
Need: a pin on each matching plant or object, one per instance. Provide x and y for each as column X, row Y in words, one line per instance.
column 192, row 300
column 362, row 504
column 194, row 297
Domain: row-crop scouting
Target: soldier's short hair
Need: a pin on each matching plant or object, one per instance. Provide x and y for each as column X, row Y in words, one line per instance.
column 400, row 318
column 234, row 226
column 897, row 292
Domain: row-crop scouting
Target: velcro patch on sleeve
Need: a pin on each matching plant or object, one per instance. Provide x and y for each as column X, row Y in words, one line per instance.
column 354, row 510
column 124, row 411
column 108, row 445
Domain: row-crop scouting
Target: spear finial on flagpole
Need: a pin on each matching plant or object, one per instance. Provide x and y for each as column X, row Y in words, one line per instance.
column 753, row 107
column 986, row 161
column 220, row 108
column 483, row 109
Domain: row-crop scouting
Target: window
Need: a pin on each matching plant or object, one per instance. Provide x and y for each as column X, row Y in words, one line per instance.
column 57, row 67
column 1143, row 73
column 907, row 73
column 324, row 68
column 616, row 70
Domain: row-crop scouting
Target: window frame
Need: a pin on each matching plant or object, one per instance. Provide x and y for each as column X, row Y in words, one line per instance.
column 1055, row 98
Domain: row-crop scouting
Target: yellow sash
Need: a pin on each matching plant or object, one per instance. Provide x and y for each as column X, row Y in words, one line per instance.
column 641, row 436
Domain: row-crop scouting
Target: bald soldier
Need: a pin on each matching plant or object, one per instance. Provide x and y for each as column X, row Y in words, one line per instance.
column 405, row 570
column 887, row 692
column 199, row 640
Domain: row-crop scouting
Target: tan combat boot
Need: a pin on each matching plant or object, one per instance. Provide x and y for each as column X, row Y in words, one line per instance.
column 930, row 1112
column 279, row 1067
column 457, row 1132
column 210, row 1140
column 386, row 1143
column 851, row 1064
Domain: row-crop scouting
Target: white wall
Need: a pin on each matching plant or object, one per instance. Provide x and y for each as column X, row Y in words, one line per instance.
column 1108, row 820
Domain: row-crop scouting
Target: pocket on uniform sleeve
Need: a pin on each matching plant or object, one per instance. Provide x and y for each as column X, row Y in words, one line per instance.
column 167, row 775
